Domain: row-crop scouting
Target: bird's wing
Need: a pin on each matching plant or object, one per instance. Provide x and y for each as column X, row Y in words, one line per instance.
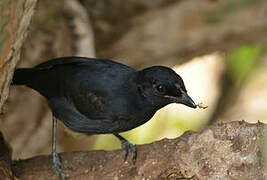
column 63, row 61
column 75, row 60
column 90, row 104
column 73, row 119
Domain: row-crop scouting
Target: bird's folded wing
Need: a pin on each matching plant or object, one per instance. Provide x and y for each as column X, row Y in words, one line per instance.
column 63, row 110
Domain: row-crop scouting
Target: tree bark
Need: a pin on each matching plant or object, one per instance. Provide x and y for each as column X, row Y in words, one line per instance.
column 15, row 17
column 223, row 151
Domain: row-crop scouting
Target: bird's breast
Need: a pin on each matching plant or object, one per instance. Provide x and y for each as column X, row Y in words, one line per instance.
column 132, row 120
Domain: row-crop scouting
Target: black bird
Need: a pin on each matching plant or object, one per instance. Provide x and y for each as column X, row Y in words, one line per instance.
column 98, row 96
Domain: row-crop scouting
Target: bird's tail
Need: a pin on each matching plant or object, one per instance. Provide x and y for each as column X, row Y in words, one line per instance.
column 23, row 76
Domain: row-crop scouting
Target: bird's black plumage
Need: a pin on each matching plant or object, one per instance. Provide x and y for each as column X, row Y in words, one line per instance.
column 97, row 96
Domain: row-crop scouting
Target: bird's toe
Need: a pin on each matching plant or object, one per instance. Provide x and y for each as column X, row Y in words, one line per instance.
column 129, row 148
column 58, row 167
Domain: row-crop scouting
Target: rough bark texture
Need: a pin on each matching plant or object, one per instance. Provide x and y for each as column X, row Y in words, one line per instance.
column 223, row 151
column 15, row 17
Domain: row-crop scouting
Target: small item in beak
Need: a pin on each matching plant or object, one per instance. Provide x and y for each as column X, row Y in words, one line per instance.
column 201, row 106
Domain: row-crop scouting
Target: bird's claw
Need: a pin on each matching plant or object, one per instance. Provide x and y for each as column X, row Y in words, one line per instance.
column 129, row 148
column 58, row 166
column 67, row 167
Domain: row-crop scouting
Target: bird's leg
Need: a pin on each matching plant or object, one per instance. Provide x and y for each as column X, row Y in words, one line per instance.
column 56, row 160
column 127, row 147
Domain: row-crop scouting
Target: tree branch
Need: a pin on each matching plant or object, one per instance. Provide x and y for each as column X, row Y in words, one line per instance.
column 223, row 151
column 15, row 17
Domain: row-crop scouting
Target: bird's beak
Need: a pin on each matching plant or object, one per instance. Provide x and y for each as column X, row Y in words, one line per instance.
column 183, row 99
column 186, row 100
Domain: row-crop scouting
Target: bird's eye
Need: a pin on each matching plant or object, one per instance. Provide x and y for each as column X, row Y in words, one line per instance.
column 161, row 88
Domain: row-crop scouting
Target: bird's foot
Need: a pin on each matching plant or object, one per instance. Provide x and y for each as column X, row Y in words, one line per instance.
column 58, row 166
column 129, row 148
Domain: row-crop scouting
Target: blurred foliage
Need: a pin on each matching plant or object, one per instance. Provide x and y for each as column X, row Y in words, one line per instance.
column 242, row 61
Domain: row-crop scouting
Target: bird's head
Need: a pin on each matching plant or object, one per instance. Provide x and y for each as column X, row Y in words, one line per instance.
column 161, row 85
